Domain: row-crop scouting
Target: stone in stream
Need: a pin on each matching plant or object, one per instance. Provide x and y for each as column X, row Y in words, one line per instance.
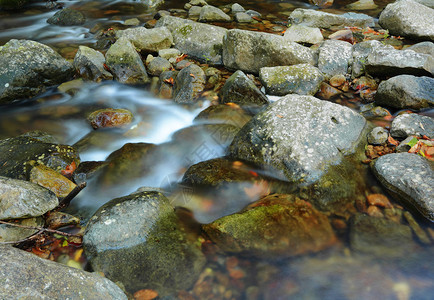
column 125, row 63
column 223, row 113
column 89, row 63
column 26, row 276
column 147, row 40
column 241, row 90
column 158, row 65
column 189, row 83
column 275, row 226
column 137, row 240
column 378, row 136
column 412, row 124
column 408, row 18
column 23, row 199
column 410, row 178
column 406, row 91
column 242, row 17
column 303, row 34
column 199, row 41
column 316, row 18
column 27, row 68
column 335, row 57
column 210, row 13
column 360, row 53
column 302, row 79
column 110, row 117
column 51, row 180
column 250, row 51
column 67, row 17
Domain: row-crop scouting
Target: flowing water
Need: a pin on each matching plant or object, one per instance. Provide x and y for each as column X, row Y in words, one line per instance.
column 335, row 274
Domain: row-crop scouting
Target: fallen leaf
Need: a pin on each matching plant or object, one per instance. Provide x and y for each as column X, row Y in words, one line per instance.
column 392, row 141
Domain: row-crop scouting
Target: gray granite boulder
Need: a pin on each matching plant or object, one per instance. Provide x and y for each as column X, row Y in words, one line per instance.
column 299, row 137
column 147, row 40
column 249, row 51
column 137, row 240
column 406, row 91
column 303, row 34
column 28, row 67
column 67, row 17
column 335, row 57
column 241, row 90
column 412, row 124
column 89, row 63
column 200, row 41
column 408, row 18
column 360, row 54
column 210, row 13
column 25, row 276
column 302, row 79
column 125, row 63
column 189, row 83
column 23, row 199
column 423, row 47
column 316, row 18
column 388, row 62
column 410, row 178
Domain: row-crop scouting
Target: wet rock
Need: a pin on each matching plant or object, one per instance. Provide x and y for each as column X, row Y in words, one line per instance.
column 110, row 117
column 407, row 18
column 210, row 13
column 387, row 62
column 152, row 3
column 380, row 237
column 24, row 275
column 59, row 219
column 125, row 63
column 51, row 180
column 165, row 84
column 158, row 65
column 132, row 22
column 19, row 154
column 404, row 145
column 337, row 80
column 253, row 13
column 228, row 114
column 169, row 54
column 89, row 63
column 189, row 83
column 327, row 92
column 412, row 124
column 275, row 226
column 316, row 18
column 335, row 57
column 410, row 178
column 237, row 8
column 423, row 47
column 138, row 241
column 67, row 17
column 147, row 40
column 299, row 137
column 302, row 79
column 360, row 53
column 199, row 41
column 23, row 199
column 303, row 34
column 14, row 234
column 212, row 77
column 378, row 136
column 406, row 91
column 362, row 5
column 244, row 50
column 242, row 17
column 241, row 90
column 28, row 67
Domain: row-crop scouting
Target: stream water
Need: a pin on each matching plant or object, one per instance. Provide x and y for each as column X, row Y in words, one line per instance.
column 335, row 274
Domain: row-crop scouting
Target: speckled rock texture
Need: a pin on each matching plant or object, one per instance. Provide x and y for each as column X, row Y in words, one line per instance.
column 89, row 63
column 189, row 83
column 210, row 13
column 408, row 18
column 28, row 67
column 360, row 53
column 302, row 79
column 335, row 57
column 301, row 136
column 409, row 177
column 147, row 40
column 412, row 124
column 199, row 41
column 303, row 34
column 406, row 91
column 25, row 276
column 245, row 50
column 423, row 47
column 316, row 18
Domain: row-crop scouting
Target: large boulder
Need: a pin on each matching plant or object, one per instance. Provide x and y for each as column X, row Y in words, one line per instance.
column 28, row 67
column 302, row 79
column 89, row 63
column 137, row 240
column 26, row 276
column 408, row 18
column 147, row 40
column 250, row 51
column 335, row 57
column 200, row 41
column 410, row 178
column 406, row 91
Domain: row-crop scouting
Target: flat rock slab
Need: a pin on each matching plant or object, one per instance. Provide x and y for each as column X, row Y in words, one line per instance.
column 303, row 34
column 412, row 124
column 200, row 41
column 406, row 91
column 410, row 178
column 147, row 40
column 250, row 51
column 408, row 18
column 25, row 276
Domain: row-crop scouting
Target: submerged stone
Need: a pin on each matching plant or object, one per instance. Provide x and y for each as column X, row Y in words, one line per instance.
column 109, row 117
